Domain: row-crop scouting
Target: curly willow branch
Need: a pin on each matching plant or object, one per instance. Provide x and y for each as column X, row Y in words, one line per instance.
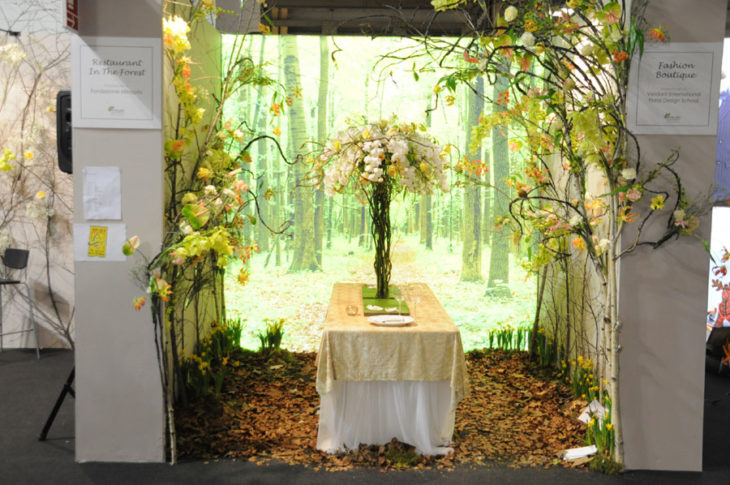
column 380, row 215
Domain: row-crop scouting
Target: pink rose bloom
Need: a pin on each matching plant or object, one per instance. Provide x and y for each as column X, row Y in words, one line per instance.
column 633, row 195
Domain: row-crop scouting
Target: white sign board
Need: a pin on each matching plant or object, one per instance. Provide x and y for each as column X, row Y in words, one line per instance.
column 116, row 82
column 674, row 89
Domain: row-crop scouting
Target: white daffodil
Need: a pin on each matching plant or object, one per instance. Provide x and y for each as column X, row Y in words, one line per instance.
column 210, row 190
column 510, row 13
column 527, row 39
column 628, row 173
column 554, row 122
column 602, row 246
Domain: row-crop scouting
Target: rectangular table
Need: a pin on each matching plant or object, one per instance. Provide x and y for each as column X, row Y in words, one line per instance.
column 377, row 383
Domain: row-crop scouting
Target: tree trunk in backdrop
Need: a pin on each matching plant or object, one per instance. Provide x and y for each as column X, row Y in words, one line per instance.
column 304, row 257
column 426, row 222
column 262, row 169
column 328, row 220
column 471, row 249
column 426, row 215
column 319, row 200
column 279, row 190
column 488, row 196
column 499, row 257
column 251, row 110
column 361, row 224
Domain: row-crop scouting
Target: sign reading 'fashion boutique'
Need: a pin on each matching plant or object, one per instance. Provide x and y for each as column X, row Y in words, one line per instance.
column 673, row 89
column 116, row 83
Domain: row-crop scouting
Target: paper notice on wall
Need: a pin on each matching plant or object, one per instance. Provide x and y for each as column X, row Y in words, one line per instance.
column 102, row 193
column 99, row 242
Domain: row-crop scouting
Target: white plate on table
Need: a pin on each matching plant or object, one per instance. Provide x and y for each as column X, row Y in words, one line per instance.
column 390, row 320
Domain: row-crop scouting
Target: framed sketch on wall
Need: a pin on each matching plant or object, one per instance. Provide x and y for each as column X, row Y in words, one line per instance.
column 116, row 82
column 674, row 88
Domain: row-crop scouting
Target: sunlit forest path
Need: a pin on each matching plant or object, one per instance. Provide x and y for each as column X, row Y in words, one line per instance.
column 301, row 298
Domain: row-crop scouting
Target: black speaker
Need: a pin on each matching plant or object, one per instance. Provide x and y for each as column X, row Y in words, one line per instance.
column 63, row 131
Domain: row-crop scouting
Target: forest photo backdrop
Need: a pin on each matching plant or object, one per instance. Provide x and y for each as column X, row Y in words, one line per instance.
column 451, row 241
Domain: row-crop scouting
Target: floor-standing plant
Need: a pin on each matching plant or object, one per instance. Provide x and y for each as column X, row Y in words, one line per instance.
column 567, row 67
column 380, row 160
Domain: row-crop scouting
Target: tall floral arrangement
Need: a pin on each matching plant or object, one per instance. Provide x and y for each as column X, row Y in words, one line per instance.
column 377, row 161
column 564, row 70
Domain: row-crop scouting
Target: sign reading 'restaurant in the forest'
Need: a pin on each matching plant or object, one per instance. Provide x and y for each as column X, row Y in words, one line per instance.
column 673, row 89
column 116, row 82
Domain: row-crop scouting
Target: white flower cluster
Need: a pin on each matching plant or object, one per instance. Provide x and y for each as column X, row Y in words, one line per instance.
column 38, row 211
column 373, row 159
column 12, row 52
column 383, row 152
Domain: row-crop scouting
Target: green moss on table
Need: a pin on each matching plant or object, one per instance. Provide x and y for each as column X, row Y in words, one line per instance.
column 368, row 298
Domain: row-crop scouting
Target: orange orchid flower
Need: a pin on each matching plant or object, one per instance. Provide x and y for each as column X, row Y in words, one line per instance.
column 657, row 34
column 620, row 56
column 627, row 215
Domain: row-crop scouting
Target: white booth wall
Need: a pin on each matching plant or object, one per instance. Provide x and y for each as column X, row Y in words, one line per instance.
column 40, row 226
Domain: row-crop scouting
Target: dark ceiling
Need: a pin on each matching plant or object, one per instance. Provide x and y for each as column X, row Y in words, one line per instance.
column 363, row 17
column 376, row 17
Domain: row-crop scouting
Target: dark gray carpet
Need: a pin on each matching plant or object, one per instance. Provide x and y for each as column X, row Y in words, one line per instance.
column 28, row 389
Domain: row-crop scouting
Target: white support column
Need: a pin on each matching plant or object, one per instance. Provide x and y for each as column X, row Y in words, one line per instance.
column 663, row 293
column 119, row 408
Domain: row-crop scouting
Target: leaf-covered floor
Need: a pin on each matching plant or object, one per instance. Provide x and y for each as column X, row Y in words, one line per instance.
column 268, row 411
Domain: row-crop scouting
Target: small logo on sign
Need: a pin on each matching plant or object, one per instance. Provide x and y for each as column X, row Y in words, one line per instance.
column 115, row 111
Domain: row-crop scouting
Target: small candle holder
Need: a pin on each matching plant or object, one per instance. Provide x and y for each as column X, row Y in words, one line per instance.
column 351, row 310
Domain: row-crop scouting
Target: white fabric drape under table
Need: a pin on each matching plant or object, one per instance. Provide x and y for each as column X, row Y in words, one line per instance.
column 378, row 383
column 374, row 412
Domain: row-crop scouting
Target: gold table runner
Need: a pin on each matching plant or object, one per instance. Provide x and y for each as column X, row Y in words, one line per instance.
column 352, row 349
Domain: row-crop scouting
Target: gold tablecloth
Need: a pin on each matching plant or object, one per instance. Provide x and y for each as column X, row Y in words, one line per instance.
column 352, row 349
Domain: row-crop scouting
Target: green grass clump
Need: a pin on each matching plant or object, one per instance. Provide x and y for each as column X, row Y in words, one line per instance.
column 602, row 464
column 401, row 458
